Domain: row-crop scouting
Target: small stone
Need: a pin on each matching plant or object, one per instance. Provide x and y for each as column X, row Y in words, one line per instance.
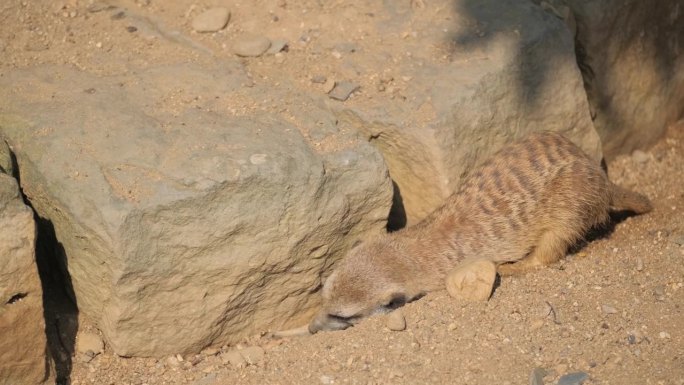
column 234, row 358
column 537, row 376
column 326, row 380
column 576, row 378
column 664, row 335
column 179, row 358
column 396, row 321
column 472, row 280
column 639, row 264
column 257, row 159
column 211, row 20
column 251, row 46
column 89, row 342
column 640, row 156
column 131, row 29
column 328, row 85
column 172, row 361
column 608, row 309
column 451, row 327
column 343, row 90
column 277, row 46
column 254, row 355
column 210, row 352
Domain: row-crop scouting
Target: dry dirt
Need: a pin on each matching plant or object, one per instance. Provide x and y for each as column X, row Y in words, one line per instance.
column 612, row 309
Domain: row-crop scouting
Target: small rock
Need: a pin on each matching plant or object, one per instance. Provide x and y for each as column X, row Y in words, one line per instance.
column 640, row 156
column 234, row 358
column 451, row 327
column 472, row 280
column 396, row 321
column 254, row 355
column 89, row 342
column 639, row 264
column 277, row 45
column 210, row 352
column 211, row 20
column 608, row 309
column 326, row 380
column 537, row 376
column 664, row 335
column 328, row 85
column 576, row 378
column 172, row 361
column 251, row 46
column 343, row 90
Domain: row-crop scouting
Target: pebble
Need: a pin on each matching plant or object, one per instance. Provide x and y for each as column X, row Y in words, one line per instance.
column 640, row 156
column 608, row 309
column 639, row 264
column 472, row 280
column 343, row 90
column 277, row 45
column 172, row 361
column 325, row 380
column 211, row 20
column 328, row 85
column 396, row 321
column 251, row 46
column 664, row 335
column 210, row 352
column 254, row 355
column 576, row 378
column 89, row 342
column 234, row 358
column 537, row 376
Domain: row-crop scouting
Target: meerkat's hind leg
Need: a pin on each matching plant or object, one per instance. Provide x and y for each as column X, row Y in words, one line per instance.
column 551, row 247
column 472, row 280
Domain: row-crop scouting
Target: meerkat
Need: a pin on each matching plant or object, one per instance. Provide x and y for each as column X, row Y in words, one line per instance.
column 521, row 209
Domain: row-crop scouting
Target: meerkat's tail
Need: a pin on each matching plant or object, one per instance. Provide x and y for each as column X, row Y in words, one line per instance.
column 622, row 199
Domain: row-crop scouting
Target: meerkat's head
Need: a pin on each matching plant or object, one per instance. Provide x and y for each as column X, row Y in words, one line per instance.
column 371, row 279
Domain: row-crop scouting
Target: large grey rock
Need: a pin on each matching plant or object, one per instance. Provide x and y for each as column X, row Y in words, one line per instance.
column 631, row 58
column 22, row 326
column 189, row 218
column 500, row 69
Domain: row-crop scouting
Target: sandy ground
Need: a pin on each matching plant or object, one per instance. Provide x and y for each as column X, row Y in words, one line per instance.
column 611, row 310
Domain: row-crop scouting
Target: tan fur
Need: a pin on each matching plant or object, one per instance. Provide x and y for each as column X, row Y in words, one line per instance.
column 521, row 209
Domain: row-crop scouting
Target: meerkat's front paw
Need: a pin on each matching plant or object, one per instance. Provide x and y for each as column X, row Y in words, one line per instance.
column 472, row 280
